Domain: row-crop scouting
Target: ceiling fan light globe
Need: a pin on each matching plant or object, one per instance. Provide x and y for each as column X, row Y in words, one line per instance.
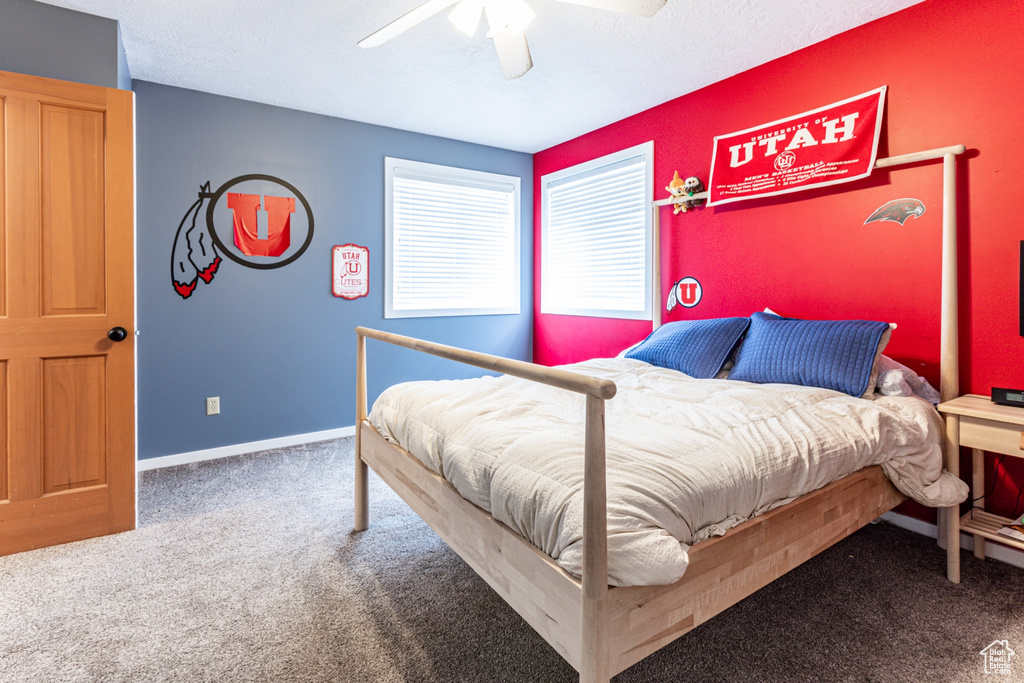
column 512, row 16
column 466, row 16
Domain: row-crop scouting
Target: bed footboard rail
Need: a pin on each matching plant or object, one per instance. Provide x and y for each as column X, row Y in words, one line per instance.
column 594, row 660
column 556, row 377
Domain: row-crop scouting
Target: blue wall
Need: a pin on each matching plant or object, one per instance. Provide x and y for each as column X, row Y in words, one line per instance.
column 275, row 345
column 42, row 40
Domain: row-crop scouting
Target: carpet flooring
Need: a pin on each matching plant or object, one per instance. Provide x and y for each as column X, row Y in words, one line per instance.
column 246, row 569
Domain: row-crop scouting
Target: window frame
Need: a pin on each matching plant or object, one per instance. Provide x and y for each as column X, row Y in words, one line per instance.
column 457, row 176
column 646, row 152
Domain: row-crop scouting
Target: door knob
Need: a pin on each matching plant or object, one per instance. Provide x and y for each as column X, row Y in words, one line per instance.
column 117, row 334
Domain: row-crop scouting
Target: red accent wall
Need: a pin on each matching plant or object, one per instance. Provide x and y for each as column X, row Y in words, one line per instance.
column 953, row 77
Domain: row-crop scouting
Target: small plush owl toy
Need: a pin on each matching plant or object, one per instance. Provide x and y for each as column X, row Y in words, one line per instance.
column 692, row 186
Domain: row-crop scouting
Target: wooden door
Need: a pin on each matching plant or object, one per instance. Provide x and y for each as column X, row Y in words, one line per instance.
column 67, row 392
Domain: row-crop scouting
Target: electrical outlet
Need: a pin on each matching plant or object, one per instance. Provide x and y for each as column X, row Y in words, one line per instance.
column 213, row 405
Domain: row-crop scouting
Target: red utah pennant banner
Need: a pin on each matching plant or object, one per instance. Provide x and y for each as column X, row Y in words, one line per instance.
column 829, row 145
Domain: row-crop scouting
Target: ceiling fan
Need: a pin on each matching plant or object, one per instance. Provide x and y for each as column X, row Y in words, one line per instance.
column 506, row 20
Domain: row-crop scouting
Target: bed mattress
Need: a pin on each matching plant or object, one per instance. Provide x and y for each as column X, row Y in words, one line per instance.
column 686, row 459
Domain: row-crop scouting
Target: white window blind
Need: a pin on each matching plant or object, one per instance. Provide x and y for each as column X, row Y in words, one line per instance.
column 596, row 237
column 453, row 241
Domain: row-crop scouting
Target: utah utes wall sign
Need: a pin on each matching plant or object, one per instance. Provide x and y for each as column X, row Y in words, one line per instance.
column 350, row 271
column 256, row 220
column 686, row 292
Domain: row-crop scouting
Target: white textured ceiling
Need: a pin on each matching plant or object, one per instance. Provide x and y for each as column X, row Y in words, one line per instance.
column 591, row 67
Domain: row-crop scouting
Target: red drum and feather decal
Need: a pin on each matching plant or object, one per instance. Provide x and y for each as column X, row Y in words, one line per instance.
column 686, row 292
column 197, row 251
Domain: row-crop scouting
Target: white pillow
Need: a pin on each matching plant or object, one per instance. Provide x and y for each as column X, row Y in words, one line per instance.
column 896, row 379
column 623, row 352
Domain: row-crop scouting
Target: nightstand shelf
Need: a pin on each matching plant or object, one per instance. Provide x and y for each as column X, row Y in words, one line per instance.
column 985, row 524
column 974, row 421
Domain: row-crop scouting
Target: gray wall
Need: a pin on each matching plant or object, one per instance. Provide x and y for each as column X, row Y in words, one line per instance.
column 124, row 74
column 42, row 40
column 275, row 345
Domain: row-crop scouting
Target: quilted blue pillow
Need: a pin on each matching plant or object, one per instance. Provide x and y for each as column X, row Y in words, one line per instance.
column 697, row 347
column 831, row 354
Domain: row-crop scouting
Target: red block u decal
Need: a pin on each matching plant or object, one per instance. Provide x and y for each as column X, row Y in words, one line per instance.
column 245, row 208
column 688, row 292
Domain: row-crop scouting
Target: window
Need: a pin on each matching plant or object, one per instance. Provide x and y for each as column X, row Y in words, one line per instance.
column 452, row 241
column 596, row 248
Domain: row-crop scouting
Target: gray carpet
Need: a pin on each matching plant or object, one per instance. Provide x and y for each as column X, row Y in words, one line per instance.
column 245, row 569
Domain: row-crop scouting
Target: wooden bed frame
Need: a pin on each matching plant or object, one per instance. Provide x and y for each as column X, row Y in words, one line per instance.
column 602, row 630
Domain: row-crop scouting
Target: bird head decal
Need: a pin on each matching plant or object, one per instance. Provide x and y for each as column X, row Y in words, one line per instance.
column 897, row 211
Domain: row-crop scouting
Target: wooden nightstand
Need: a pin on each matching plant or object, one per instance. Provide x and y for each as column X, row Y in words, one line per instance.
column 983, row 426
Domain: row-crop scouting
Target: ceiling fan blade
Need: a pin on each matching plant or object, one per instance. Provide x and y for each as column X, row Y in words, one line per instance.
column 405, row 22
column 513, row 51
column 643, row 8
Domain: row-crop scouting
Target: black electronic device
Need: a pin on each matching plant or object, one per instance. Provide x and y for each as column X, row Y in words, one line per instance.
column 1008, row 397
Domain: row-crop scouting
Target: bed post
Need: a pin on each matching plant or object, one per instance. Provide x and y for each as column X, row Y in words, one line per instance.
column 361, row 494
column 594, row 632
column 949, row 358
column 949, row 380
column 656, row 266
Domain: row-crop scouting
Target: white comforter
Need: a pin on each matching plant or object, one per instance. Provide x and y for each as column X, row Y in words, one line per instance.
column 686, row 459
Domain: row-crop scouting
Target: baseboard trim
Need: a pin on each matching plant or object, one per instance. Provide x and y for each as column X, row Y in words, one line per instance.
column 241, row 449
column 993, row 550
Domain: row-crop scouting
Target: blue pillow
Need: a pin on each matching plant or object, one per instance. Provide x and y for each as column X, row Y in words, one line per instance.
column 697, row 347
column 830, row 354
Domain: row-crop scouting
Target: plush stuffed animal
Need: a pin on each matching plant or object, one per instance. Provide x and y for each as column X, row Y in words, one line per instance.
column 689, row 187
column 676, row 188
column 692, row 186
